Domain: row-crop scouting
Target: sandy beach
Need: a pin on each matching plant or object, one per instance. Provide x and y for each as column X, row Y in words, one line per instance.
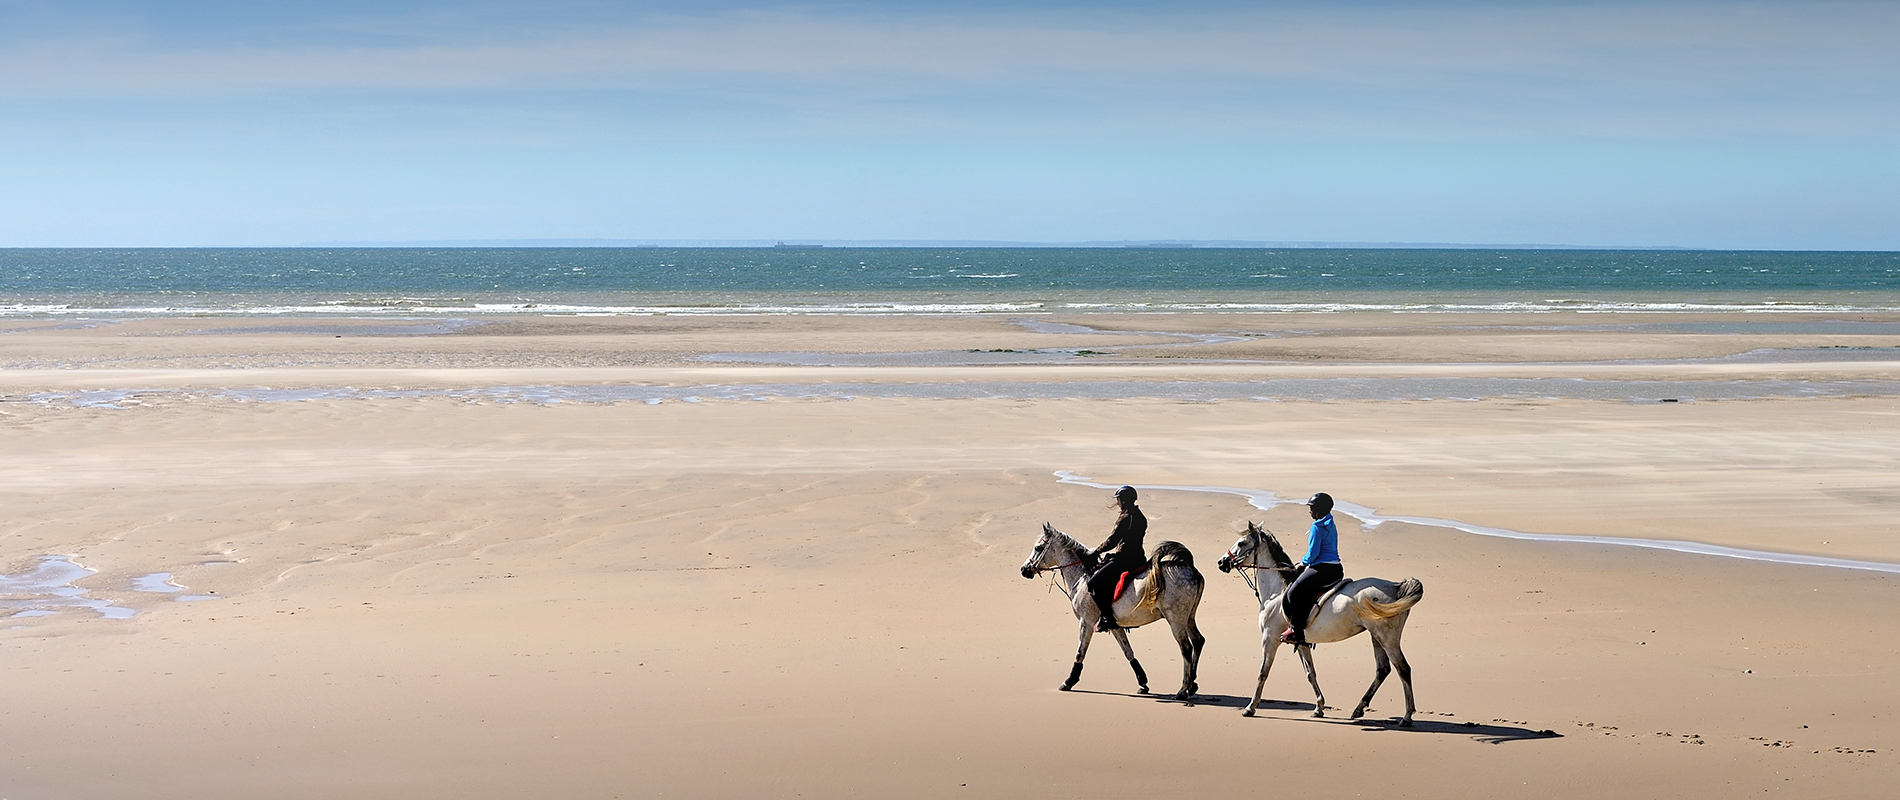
column 389, row 570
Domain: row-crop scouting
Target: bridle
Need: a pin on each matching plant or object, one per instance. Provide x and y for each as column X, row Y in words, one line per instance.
column 1055, row 569
column 1252, row 581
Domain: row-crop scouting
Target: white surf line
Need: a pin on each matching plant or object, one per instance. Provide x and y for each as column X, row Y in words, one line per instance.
column 1371, row 518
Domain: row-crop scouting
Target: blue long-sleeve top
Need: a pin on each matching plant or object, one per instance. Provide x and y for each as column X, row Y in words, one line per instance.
column 1322, row 542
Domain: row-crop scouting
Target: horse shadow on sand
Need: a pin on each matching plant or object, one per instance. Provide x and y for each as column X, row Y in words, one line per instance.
column 1199, row 699
column 1487, row 733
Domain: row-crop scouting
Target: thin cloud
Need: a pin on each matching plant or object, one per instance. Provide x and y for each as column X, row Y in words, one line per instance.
column 1786, row 68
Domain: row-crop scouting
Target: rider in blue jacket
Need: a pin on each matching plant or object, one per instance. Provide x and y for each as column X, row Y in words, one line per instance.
column 1318, row 570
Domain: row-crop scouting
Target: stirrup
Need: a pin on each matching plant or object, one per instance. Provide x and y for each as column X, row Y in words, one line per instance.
column 1290, row 637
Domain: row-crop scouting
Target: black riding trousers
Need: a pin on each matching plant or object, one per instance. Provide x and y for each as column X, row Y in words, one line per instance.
column 1102, row 583
column 1305, row 589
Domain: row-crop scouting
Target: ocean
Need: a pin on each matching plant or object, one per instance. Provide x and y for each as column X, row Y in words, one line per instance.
column 39, row 283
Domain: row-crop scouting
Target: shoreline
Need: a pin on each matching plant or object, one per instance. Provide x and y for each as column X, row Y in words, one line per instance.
column 1267, row 500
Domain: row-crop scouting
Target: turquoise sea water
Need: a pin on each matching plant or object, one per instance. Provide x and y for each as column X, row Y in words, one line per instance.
column 458, row 281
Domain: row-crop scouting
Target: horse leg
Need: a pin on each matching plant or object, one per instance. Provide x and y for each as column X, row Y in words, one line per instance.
column 1383, row 664
column 1141, row 677
column 1319, row 697
column 1188, row 637
column 1405, row 672
column 1081, row 651
column 1199, row 643
column 1269, row 642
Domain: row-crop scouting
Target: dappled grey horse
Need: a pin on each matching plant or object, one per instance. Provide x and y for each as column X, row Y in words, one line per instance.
column 1170, row 589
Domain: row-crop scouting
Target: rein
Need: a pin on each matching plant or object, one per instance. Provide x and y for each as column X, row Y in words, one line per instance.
column 1070, row 593
column 1252, row 582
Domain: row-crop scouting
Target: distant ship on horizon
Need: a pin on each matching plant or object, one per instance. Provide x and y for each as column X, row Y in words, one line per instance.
column 797, row 246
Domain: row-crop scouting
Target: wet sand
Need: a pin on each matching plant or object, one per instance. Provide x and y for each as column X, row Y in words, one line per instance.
column 452, row 595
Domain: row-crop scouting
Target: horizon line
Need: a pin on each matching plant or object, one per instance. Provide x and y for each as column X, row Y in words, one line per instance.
column 1133, row 244
column 813, row 243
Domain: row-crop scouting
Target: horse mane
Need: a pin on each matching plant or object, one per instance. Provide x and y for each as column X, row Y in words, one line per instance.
column 1089, row 561
column 1282, row 563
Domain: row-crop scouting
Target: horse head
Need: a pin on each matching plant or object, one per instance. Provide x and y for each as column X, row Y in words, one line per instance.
column 1057, row 550
column 1039, row 558
column 1238, row 555
column 1255, row 548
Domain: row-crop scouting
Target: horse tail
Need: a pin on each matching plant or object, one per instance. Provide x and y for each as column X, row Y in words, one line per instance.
column 1174, row 552
column 1166, row 553
column 1410, row 592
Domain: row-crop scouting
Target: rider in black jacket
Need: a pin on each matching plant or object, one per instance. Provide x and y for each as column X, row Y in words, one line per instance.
column 1121, row 553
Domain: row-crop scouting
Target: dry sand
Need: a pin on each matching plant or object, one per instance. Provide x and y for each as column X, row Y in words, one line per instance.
column 456, row 596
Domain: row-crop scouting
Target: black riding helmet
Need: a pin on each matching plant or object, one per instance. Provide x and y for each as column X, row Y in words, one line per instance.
column 1322, row 502
column 1126, row 494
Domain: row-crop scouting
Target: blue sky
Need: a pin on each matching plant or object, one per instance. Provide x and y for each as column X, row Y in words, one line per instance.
column 1731, row 125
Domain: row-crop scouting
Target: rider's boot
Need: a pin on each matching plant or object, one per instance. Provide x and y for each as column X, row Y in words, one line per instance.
column 1105, row 622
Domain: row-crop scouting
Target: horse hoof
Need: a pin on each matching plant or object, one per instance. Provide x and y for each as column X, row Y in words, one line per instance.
column 1358, row 712
column 1246, row 712
column 1141, row 690
column 1319, row 714
column 1065, row 687
column 1405, row 723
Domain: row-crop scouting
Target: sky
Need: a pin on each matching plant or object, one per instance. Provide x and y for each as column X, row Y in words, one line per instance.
column 1746, row 125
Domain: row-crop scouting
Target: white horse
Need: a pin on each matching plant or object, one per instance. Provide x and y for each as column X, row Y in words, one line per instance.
column 1375, row 605
column 1170, row 589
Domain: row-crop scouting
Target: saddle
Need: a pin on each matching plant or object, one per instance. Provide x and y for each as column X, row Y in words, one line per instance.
column 1325, row 595
column 1128, row 578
